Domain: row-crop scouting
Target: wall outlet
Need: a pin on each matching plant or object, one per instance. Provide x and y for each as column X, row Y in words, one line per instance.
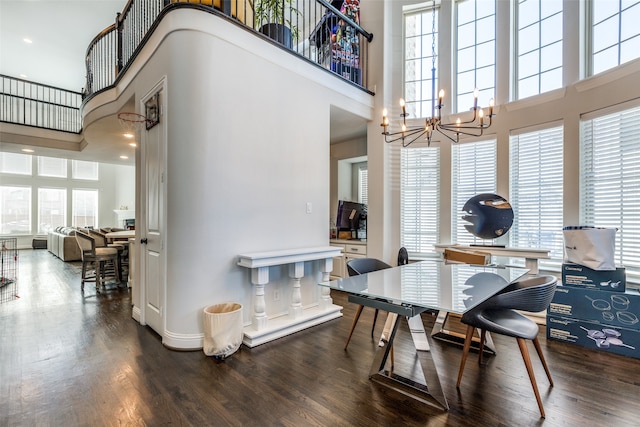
column 309, row 207
column 276, row 294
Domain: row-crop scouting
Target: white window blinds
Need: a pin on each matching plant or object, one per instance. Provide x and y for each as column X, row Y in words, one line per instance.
column 536, row 192
column 473, row 170
column 420, row 201
column 610, row 177
column 363, row 184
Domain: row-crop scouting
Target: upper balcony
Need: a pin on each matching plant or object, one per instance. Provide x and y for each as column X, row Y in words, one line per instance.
column 324, row 33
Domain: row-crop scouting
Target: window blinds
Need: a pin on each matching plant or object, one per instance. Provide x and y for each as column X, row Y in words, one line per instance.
column 420, row 201
column 536, row 191
column 610, row 177
column 473, row 169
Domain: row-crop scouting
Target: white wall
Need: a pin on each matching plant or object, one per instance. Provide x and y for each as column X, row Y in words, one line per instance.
column 248, row 148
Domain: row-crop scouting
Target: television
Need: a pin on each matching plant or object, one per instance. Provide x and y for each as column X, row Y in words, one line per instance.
column 351, row 216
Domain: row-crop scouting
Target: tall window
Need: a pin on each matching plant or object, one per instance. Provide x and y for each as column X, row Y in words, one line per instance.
column 52, row 167
column 363, row 184
column 610, row 177
column 539, row 52
column 476, row 25
column 84, row 170
column 536, row 191
column 420, row 76
column 15, row 210
column 84, row 205
column 52, row 208
column 473, row 171
column 15, row 163
column 615, row 33
column 420, row 201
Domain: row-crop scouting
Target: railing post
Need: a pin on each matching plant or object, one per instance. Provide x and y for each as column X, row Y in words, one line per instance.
column 119, row 64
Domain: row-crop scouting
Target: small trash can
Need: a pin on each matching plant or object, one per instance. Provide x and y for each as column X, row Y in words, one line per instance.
column 222, row 329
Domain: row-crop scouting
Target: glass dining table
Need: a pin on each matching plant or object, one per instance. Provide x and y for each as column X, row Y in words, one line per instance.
column 409, row 290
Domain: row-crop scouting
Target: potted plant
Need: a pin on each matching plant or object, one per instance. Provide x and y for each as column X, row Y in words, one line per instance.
column 275, row 20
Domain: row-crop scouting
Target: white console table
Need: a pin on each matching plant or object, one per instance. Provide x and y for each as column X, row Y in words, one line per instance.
column 262, row 329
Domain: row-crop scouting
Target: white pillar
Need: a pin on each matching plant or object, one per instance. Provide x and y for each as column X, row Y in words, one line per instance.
column 296, row 271
column 259, row 278
column 326, row 267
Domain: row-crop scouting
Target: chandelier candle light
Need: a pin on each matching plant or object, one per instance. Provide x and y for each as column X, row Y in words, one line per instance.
column 408, row 134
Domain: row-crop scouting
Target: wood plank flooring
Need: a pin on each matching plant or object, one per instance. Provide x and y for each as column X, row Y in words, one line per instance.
column 73, row 359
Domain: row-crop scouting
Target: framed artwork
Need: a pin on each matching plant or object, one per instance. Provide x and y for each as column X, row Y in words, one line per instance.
column 152, row 111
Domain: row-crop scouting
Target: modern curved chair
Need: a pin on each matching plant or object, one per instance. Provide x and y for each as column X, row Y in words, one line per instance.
column 95, row 258
column 499, row 315
column 362, row 266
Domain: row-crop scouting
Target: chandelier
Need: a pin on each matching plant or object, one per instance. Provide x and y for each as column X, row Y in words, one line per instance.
column 473, row 126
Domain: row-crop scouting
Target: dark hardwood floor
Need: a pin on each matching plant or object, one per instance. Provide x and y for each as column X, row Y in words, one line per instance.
column 68, row 359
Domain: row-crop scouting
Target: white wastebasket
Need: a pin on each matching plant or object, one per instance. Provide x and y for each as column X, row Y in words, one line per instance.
column 222, row 329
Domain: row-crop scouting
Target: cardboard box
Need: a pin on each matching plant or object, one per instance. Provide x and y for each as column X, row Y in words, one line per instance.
column 610, row 308
column 467, row 256
column 580, row 276
column 609, row 338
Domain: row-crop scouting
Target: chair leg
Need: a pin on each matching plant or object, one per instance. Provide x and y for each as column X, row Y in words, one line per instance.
column 483, row 336
column 375, row 317
column 527, row 361
column 353, row 325
column 536, row 344
column 83, row 277
column 465, row 352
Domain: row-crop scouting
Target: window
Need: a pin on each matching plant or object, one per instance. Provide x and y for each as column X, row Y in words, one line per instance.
column 52, row 208
column 419, row 204
column 53, row 167
column 84, row 170
column 420, row 76
column 476, row 39
column 610, row 177
column 84, row 208
column 539, row 51
column 15, row 210
column 536, row 194
column 615, row 34
column 15, row 163
column 473, row 171
column 363, row 184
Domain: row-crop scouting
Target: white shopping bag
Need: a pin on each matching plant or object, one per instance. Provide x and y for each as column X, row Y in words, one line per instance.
column 593, row 247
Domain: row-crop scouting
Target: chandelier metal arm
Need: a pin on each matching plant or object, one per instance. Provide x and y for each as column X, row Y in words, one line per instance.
column 473, row 127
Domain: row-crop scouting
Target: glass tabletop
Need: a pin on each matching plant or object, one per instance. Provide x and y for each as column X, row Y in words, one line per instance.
column 435, row 284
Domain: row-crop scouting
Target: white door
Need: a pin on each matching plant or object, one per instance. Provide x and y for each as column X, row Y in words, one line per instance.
column 152, row 245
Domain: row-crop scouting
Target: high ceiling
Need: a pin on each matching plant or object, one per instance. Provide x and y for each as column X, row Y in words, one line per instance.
column 60, row 32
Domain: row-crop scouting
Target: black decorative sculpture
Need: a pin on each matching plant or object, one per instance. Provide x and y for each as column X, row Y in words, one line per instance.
column 490, row 215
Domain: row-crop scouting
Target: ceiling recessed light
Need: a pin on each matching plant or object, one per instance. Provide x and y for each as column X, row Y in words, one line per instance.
column 27, row 150
column 23, row 76
column 124, row 157
column 133, row 144
column 128, row 135
column 27, row 40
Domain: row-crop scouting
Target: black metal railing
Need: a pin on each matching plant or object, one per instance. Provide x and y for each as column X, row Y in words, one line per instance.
column 324, row 32
column 33, row 104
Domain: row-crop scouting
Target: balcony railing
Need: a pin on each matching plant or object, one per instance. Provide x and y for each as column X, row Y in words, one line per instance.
column 38, row 105
column 324, row 32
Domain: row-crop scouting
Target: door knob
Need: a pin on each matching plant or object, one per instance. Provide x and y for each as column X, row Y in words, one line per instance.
column 144, row 241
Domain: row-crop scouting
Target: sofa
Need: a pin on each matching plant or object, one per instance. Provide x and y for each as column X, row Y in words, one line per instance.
column 61, row 242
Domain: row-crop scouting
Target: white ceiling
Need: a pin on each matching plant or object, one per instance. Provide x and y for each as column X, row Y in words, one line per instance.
column 61, row 31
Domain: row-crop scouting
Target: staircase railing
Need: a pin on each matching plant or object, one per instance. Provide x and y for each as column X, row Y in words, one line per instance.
column 34, row 104
column 326, row 33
